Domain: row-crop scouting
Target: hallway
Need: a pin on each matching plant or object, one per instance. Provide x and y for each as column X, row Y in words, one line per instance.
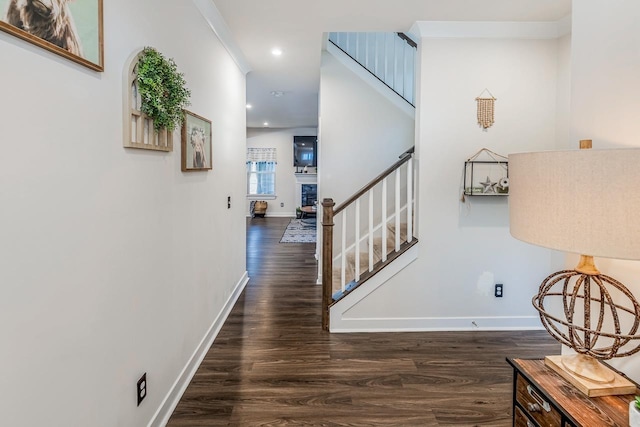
column 272, row 364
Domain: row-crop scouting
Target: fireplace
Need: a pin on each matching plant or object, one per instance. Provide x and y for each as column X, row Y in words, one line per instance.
column 306, row 189
column 309, row 194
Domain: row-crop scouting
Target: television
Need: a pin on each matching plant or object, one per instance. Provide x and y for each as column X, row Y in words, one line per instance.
column 305, row 151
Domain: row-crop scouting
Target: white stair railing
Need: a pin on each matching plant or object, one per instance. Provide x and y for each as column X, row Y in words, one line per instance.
column 390, row 206
column 391, row 57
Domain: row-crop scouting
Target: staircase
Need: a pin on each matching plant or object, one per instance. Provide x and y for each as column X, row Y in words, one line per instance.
column 370, row 237
column 367, row 232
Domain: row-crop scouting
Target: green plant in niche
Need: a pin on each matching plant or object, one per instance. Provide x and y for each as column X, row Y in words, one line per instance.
column 162, row 89
column 637, row 405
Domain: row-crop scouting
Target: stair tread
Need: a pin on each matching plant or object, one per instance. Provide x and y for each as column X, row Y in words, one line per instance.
column 338, row 293
column 350, row 271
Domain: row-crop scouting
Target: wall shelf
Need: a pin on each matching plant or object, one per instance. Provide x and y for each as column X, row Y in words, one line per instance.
column 486, row 177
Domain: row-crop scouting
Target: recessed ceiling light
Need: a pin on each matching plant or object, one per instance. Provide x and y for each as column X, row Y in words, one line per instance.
column 249, row 106
column 266, row 123
column 276, row 51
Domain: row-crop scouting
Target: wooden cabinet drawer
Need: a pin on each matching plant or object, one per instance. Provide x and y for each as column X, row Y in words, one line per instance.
column 536, row 386
column 522, row 420
column 535, row 405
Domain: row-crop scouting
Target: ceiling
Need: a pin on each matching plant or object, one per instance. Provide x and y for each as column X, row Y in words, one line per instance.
column 297, row 28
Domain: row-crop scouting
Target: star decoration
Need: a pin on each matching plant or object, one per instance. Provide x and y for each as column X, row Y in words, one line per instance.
column 488, row 186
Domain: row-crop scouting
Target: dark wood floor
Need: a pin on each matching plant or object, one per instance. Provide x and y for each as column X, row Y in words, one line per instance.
column 272, row 364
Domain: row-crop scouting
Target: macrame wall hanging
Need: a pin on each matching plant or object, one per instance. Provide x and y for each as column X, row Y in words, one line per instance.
column 486, row 107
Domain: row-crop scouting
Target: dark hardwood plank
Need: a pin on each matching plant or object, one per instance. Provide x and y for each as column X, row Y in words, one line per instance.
column 273, row 365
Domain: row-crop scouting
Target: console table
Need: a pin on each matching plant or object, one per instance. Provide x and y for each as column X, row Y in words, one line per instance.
column 542, row 398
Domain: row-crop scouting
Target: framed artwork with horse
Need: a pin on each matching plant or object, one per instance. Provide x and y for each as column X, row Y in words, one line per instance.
column 70, row 28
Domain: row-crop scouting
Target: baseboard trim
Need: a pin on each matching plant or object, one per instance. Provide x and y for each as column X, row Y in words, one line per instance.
column 432, row 324
column 162, row 415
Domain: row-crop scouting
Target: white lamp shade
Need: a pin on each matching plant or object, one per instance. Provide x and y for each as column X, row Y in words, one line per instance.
column 582, row 201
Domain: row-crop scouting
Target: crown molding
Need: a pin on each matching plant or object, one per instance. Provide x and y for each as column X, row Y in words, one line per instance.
column 497, row 30
column 219, row 26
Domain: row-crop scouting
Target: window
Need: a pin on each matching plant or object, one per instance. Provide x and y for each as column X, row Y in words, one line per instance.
column 261, row 178
column 261, row 171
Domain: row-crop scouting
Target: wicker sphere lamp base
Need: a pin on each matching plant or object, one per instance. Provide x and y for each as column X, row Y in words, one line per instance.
column 601, row 321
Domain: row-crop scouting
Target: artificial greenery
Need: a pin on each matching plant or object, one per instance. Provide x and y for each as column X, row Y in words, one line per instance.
column 162, row 89
column 637, row 402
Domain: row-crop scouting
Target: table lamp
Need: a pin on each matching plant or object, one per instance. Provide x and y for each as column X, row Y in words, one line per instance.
column 585, row 202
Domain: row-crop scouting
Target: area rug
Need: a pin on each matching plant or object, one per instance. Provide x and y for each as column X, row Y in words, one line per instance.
column 300, row 231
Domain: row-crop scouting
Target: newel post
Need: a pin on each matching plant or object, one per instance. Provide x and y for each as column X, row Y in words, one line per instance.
column 327, row 259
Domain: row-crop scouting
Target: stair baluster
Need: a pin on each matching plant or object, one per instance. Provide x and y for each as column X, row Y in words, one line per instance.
column 409, row 198
column 370, row 246
column 343, row 251
column 357, row 240
column 384, row 220
column 397, row 214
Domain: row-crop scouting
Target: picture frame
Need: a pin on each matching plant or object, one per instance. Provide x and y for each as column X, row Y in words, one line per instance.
column 72, row 29
column 196, row 143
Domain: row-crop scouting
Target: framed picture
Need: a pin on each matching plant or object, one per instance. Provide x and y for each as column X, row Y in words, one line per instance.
column 72, row 29
column 196, row 143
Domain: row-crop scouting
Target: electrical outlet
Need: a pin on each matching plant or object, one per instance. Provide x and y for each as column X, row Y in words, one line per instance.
column 498, row 290
column 282, row 204
column 141, row 388
column 228, row 202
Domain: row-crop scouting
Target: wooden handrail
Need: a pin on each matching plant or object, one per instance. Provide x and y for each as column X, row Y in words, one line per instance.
column 408, row 39
column 403, row 159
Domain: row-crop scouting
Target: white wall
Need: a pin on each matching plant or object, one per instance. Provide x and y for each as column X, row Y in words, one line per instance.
column 113, row 262
column 361, row 132
column 563, row 91
column 605, row 103
column 466, row 248
column 282, row 141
